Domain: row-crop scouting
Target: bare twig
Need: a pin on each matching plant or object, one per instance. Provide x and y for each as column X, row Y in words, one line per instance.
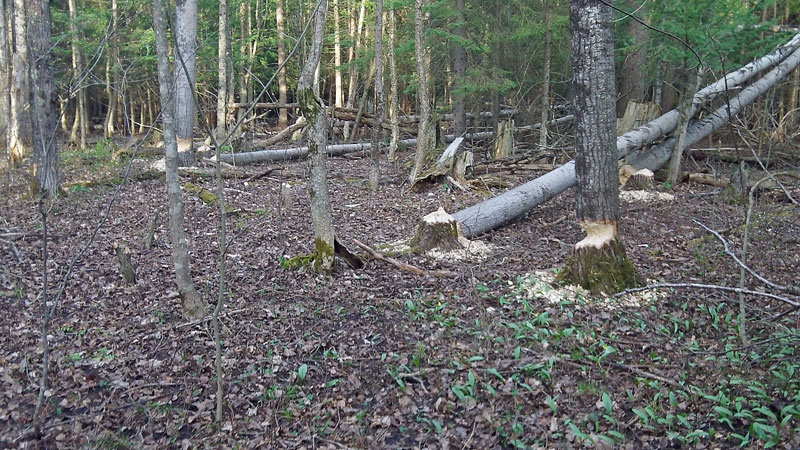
column 403, row 266
column 726, row 248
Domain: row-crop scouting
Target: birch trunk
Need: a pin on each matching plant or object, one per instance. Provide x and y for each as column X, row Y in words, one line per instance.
column 314, row 111
column 112, row 76
column 191, row 302
column 185, row 35
column 355, row 34
column 423, row 134
column 43, row 99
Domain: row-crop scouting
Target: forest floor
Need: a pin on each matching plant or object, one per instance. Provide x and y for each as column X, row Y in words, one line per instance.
column 381, row 358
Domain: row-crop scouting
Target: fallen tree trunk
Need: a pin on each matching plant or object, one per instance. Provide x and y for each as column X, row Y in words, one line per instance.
column 512, row 204
column 341, row 149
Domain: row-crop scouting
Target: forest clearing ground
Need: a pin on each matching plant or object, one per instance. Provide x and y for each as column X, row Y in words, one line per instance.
column 378, row 358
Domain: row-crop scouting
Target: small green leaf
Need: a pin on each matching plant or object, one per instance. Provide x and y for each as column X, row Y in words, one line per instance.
column 302, row 371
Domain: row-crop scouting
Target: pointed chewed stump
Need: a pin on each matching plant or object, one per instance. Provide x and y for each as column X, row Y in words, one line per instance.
column 599, row 262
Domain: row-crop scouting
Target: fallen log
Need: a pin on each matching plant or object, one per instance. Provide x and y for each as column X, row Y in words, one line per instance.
column 341, row 149
column 512, row 204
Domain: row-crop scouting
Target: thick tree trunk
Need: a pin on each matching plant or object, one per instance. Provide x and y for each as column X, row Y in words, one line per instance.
column 184, row 67
column 380, row 99
column 20, row 137
column 599, row 262
column 314, row 111
column 43, row 99
column 424, row 138
column 459, row 72
column 223, row 68
column 191, row 302
column 395, row 111
column 506, row 207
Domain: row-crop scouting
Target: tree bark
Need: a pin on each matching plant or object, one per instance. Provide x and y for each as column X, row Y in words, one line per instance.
column 599, row 262
column 185, row 34
column 395, row 110
column 424, row 133
column 5, row 84
column 337, row 57
column 191, row 302
column 20, row 137
column 459, row 71
column 43, row 98
column 631, row 85
column 380, row 99
column 80, row 124
column 223, row 67
column 314, row 110
column 545, row 104
column 112, row 73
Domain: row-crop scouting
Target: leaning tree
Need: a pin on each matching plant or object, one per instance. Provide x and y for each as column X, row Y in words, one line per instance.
column 599, row 262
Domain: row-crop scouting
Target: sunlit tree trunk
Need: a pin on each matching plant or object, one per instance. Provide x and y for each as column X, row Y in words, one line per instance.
column 112, row 73
column 459, row 71
column 313, row 110
column 424, row 133
column 43, row 98
column 283, row 115
column 78, row 132
column 191, row 302
column 184, row 72
column 353, row 54
column 599, row 262
column 19, row 130
column 380, row 99
column 223, row 68
column 393, row 88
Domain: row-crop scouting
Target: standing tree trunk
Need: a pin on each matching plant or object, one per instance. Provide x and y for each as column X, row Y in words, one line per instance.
column 548, row 44
column 337, row 57
column 19, row 130
column 355, row 35
column 185, row 55
column 380, row 99
column 78, row 132
column 283, row 115
column 224, row 74
column 631, row 85
column 313, row 110
column 5, row 85
column 599, row 262
column 112, row 73
column 424, row 132
column 393, row 89
column 459, row 71
column 43, row 98
column 192, row 304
